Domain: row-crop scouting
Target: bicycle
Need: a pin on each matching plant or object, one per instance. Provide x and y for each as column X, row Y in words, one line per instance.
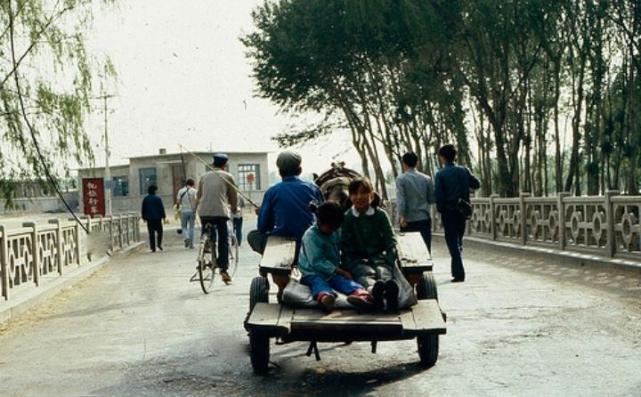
column 207, row 261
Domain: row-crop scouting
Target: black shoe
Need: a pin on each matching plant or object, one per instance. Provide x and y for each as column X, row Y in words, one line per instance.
column 391, row 295
column 377, row 294
column 160, row 248
column 458, row 279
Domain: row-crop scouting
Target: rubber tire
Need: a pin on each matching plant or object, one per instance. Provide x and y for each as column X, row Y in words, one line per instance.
column 427, row 349
column 259, row 352
column 258, row 291
column 426, row 287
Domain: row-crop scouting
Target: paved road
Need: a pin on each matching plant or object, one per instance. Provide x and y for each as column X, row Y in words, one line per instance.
column 519, row 326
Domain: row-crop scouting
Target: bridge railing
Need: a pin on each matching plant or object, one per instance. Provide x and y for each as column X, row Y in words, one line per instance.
column 606, row 225
column 37, row 252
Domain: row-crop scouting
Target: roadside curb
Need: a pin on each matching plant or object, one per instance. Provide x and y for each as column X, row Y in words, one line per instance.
column 36, row 296
column 566, row 258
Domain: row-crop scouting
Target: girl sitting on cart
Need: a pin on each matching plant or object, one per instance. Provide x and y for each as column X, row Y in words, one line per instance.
column 320, row 260
column 369, row 253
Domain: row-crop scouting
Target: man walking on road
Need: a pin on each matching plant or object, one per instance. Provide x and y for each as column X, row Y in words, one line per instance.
column 153, row 212
column 452, row 191
column 414, row 194
column 216, row 196
column 186, row 199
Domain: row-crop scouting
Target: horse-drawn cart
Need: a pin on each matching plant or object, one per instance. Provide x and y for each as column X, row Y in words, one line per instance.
column 424, row 321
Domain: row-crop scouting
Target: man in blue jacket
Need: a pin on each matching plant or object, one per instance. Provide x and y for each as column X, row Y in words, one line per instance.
column 285, row 208
column 452, row 184
column 153, row 212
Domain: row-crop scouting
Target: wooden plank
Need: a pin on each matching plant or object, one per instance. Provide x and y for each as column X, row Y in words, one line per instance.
column 427, row 317
column 285, row 318
column 279, row 253
column 407, row 320
column 412, row 249
column 351, row 317
column 264, row 315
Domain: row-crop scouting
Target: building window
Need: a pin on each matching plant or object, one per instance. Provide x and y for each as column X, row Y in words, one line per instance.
column 120, row 186
column 249, row 177
column 147, row 178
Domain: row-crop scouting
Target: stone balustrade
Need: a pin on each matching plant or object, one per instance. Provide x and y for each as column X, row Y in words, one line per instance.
column 37, row 252
column 607, row 226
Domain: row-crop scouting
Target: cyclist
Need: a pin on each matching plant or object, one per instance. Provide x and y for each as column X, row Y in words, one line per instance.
column 216, row 196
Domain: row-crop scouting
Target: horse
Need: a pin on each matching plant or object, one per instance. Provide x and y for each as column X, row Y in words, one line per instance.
column 334, row 184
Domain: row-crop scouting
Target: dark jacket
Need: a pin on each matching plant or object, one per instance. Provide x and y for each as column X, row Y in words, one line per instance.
column 152, row 208
column 451, row 183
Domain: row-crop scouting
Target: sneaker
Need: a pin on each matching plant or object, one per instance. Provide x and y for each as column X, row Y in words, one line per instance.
column 160, row 248
column 377, row 294
column 391, row 295
column 327, row 301
column 361, row 301
column 187, row 243
column 225, row 276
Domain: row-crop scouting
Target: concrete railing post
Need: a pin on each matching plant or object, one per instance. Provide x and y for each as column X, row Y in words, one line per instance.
column 59, row 254
column 609, row 216
column 523, row 217
column 79, row 241
column 493, row 216
column 3, row 262
column 561, row 206
column 35, row 258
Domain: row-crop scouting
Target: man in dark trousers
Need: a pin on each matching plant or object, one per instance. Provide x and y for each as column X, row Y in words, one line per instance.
column 414, row 194
column 452, row 184
column 153, row 212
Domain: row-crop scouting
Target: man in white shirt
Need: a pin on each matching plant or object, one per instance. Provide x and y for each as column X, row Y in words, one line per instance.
column 186, row 200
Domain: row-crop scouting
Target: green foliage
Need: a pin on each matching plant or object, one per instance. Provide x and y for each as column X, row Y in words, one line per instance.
column 411, row 75
column 46, row 86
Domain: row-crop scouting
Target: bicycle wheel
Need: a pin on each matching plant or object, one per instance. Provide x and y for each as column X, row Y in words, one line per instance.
column 233, row 255
column 206, row 258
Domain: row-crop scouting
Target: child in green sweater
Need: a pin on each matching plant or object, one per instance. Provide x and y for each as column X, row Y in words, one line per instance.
column 368, row 246
column 319, row 261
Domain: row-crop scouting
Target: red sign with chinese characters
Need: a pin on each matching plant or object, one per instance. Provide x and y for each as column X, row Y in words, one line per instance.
column 93, row 196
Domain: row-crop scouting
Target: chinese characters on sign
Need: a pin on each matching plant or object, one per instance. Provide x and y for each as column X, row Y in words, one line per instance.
column 93, row 196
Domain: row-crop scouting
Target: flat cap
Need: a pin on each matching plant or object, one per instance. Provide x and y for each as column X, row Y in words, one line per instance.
column 288, row 161
column 220, row 159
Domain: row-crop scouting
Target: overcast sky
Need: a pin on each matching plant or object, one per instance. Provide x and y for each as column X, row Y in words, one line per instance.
column 184, row 79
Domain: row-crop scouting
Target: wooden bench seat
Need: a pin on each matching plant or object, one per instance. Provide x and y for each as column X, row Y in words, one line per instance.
column 414, row 256
column 341, row 325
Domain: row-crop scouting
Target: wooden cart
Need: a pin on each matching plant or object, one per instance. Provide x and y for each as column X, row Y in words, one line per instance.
column 423, row 322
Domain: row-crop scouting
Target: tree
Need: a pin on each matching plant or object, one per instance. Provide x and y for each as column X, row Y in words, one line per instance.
column 46, row 85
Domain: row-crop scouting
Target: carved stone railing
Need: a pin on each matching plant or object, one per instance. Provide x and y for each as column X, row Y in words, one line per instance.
column 35, row 253
column 607, row 226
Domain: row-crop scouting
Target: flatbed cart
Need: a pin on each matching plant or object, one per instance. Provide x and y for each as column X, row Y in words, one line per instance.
column 424, row 321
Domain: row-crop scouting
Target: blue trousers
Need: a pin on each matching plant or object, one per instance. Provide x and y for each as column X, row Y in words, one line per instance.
column 187, row 220
column 320, row 286
column 454, row 226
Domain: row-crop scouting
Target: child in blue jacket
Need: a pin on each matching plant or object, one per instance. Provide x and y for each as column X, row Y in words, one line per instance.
column 319, row 261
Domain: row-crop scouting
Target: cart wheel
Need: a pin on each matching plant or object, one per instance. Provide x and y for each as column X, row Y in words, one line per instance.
column 258, row 291
column 259, row 345
column 427, row 349
column 426, row 287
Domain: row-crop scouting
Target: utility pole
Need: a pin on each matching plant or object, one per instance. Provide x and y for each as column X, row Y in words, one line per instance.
column 107, row 177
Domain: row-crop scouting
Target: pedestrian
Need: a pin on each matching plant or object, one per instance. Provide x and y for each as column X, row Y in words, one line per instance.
column 368, row 246
column 452, row 185
column 285, row 210
column 216, row 200
column 153, row 212
column 320, row 261
column 186, row 200
column 237, row 220
column 414, row 194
